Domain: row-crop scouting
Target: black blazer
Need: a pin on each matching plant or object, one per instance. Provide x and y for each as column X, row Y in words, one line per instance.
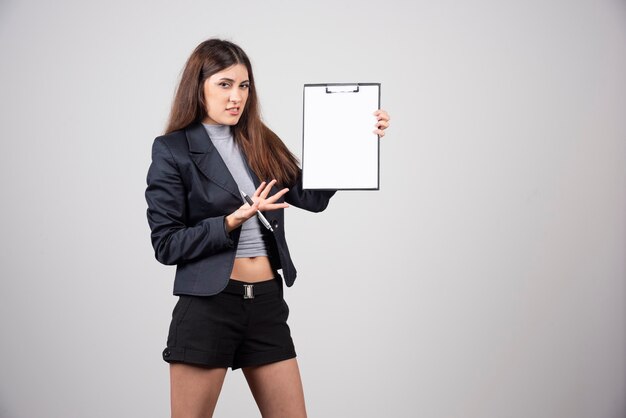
column 190, row 191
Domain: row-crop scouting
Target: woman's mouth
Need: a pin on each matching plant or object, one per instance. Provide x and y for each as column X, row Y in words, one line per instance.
column 233, row 111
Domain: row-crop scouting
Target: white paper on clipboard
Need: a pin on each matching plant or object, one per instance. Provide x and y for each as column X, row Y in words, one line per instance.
column 339, row 149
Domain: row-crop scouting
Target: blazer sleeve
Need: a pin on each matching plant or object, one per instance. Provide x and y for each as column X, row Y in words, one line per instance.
column 311, row 200
column 175, row 241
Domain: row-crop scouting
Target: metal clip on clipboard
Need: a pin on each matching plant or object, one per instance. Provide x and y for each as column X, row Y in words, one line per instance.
column 342, row 88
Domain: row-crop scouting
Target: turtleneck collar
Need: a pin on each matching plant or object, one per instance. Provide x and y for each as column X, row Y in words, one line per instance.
column 217, row 132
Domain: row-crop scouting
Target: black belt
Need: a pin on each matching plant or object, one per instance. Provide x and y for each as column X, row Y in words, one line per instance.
column 250, row 290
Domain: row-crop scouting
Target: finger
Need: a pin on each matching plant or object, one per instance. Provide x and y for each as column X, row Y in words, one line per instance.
column 267, row 189
column 276, row 196
column 257, row 192
column 274, row 206
column 381, row 115
column 379, row 132
column 382, row 124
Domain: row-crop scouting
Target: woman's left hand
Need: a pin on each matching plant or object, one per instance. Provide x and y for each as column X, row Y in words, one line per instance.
column 382, row 122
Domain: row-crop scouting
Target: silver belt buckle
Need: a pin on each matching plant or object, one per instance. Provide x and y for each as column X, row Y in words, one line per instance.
column 248, row 291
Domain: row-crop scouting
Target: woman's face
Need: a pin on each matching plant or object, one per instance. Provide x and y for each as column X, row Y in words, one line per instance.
column 225, row 95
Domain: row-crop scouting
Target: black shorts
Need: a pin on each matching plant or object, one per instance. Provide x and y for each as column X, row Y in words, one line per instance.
column 230, row 329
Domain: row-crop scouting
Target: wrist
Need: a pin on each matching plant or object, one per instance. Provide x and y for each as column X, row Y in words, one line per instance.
column 232, row 221
column 229, row 223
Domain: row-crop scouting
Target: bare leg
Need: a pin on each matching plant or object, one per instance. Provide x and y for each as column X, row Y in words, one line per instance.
column 277, row 389
column 194, row 390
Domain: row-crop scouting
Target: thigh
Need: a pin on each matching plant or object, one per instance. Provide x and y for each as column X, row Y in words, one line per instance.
column 194, row 390
column 277, row 389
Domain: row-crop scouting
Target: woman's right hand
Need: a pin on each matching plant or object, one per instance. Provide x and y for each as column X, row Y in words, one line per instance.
column 261, row 202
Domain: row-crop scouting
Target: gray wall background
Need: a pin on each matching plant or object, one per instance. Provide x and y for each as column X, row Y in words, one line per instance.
column 486, row 278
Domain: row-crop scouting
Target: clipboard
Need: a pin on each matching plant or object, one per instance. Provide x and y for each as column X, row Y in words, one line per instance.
column 339, row 149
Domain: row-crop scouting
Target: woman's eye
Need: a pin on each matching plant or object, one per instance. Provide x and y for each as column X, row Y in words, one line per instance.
column 245, row 86
column 224, row 84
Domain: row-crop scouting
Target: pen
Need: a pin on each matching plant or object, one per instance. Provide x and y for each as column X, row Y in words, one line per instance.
column 259, row 214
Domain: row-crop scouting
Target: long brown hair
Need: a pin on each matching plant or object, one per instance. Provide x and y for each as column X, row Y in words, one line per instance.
column 267, row 155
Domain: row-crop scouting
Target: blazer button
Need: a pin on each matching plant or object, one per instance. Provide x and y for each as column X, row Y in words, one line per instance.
column 166, row 353
column 274, row 224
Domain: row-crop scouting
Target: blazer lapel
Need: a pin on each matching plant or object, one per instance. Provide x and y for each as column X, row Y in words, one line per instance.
column 253, row 176
column 208, row 159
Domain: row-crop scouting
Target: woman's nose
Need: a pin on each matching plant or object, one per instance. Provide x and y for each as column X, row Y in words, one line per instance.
column 235, row 98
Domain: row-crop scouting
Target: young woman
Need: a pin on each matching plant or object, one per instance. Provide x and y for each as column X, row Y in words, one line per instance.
column 231, row 311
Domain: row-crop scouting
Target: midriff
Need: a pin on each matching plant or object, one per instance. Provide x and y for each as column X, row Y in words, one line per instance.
column 252, row 269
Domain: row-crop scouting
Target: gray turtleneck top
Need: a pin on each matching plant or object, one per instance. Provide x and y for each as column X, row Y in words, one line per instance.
column 251, row 242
